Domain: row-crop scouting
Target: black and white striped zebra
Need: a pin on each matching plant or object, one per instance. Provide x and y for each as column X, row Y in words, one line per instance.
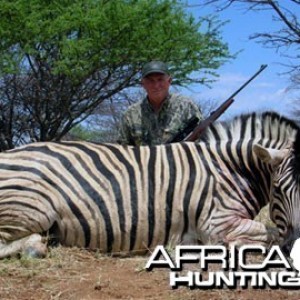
column 125, row 199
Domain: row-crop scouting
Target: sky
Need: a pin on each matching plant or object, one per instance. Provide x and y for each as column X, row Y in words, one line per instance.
column 269, row 91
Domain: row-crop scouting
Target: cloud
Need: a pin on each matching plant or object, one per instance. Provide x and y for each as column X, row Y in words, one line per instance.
column 262, row 94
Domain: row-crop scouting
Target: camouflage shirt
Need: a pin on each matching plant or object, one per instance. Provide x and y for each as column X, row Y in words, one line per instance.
column 141, row 125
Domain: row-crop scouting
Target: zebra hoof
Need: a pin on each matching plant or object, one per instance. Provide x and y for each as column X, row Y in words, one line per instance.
column 37, row 250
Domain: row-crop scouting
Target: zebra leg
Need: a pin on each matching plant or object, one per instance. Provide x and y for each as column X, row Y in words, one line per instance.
column 228, row 228
column 238, row 231
column 31, row 246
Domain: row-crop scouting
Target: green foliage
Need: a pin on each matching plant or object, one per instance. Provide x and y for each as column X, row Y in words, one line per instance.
column 97, row 135
column 59, row 60
column 84, row 134
column 78, row 37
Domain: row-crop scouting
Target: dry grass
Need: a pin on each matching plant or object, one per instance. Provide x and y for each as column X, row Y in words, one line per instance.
column 264, row 217
column 72, row 273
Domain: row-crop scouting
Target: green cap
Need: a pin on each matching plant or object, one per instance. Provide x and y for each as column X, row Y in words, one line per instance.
column 155, row 67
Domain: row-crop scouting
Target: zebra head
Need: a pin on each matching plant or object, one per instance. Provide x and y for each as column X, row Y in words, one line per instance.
column 285, row 192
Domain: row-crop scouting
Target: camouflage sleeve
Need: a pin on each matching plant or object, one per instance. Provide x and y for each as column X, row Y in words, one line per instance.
column 193, row 111
column 124, row 136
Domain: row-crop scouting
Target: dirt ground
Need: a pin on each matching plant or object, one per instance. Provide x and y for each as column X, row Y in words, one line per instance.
column 80, row 274
column 76, row 274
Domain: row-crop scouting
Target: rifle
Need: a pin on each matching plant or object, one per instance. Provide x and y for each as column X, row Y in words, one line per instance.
column 180, row 136
column 195, row 134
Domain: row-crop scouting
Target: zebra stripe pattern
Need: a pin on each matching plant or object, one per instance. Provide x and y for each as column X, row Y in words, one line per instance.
column 126, row 199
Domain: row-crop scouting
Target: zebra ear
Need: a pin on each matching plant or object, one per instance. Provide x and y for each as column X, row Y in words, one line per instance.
column 269, row 155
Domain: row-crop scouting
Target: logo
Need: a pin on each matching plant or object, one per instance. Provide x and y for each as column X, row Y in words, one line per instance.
column 235, row 267
column 295, row 254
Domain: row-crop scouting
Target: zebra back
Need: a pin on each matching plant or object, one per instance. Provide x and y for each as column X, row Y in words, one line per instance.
column 269, row 129
column 118, row 198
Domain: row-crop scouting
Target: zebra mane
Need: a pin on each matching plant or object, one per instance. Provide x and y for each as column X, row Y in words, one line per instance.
column 296, row 161
column 268, row 127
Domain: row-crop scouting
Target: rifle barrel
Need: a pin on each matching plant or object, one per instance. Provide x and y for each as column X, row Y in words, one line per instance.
column 194, row 135
column 262, row 67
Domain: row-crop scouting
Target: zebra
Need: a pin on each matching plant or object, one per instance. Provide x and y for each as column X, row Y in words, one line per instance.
column 122, row 199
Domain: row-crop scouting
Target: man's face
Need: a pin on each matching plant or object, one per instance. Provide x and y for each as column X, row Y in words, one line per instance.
column 157, row 86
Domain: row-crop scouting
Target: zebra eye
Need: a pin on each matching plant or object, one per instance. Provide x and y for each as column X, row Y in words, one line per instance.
column 277, row 189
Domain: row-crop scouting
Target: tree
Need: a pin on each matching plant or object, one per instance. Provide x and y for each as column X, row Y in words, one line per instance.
column 286, row 13
column 102, row 126
column 59, row 60
column 285, row 40
column 283, row 12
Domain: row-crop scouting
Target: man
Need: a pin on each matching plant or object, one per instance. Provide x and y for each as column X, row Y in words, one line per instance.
column 160, row 116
